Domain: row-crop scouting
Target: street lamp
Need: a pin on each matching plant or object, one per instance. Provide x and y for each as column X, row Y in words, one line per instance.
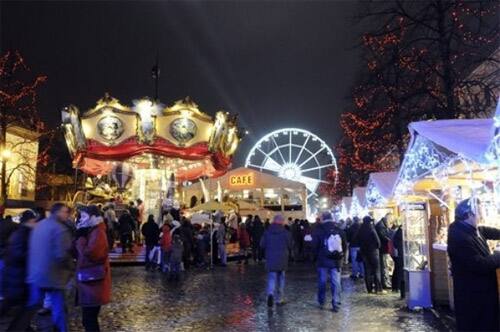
column 6, row 154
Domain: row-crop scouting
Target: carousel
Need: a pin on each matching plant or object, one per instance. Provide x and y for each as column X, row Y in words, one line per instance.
column 145, row 150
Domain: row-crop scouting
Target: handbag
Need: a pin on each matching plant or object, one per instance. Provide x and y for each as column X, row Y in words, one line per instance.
column 91, row 273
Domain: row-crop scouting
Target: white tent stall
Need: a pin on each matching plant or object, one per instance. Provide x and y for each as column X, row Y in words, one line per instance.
column 358, row 205
column 446, row 162
column 345, row 208
column 379, row 194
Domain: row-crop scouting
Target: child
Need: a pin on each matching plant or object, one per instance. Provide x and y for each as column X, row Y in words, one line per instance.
column 166, row 246
column 176, row 257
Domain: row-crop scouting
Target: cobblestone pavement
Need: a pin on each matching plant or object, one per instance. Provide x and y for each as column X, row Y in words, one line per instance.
column 233, row 299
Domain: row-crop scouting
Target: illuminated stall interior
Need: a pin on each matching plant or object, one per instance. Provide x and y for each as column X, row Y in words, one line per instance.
column 358, row 203
column 379, row 194
column 345, row 208
column 244, row 186
column 138, row 151
column 446, row 161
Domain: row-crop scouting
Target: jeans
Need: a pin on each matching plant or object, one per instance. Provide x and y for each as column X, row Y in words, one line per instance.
column 385, row 270
column 277, row 292
column 372, row 271
column 90, row 319
column 148, row 251
column 58, row 304
column 335, row 284
column 357, row 267
column 222, row 254
column 165, row 256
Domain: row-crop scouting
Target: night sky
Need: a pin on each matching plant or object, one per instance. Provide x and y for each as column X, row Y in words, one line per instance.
column 277, row 64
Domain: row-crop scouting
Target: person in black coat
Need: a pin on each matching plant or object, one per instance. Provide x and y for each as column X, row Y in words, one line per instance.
column 151, row 233
column 255, row 237
column 276, row 242
column 384, row 234
column 399, row 280
column 14, row 285
column 187, row 236
column 329, row 260
column 369, row 245
column 473, row 269
column 358, row 270
column 126, row 228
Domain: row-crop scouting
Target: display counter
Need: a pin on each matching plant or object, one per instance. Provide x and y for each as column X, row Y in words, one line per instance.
column 416, row 255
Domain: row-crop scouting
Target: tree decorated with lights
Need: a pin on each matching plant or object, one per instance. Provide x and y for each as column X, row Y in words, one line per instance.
column 18, row 98
column 420, row 63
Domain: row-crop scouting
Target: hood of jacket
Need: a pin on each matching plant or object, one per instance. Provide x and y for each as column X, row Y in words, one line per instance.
column 276, row 228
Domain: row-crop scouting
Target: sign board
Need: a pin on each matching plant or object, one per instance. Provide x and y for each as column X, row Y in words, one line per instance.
column 242, row 180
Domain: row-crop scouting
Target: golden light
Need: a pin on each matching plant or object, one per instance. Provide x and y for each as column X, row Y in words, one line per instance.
column 6, row 154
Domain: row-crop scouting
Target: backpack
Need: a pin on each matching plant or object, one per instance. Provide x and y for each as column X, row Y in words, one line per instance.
column 332, row 245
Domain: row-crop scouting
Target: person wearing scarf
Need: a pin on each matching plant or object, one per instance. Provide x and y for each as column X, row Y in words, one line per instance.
column 92, row 269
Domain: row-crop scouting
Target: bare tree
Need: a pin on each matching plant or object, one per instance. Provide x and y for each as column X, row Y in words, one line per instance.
column 18, row 92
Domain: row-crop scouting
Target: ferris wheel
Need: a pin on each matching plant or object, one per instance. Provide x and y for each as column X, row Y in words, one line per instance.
column 294, row 154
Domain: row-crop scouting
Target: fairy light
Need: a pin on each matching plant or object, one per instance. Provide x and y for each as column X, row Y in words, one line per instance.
column 423, row 157
column 403, row 76
column 373, row 195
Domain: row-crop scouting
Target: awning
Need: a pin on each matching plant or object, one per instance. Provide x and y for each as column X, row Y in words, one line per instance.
column 468, row 138
column 380, row 187
column 443, row 143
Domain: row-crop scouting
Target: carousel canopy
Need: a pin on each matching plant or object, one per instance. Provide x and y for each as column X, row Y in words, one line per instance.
column 179, row 138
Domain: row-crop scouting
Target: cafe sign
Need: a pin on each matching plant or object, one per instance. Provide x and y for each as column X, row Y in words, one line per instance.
column 242, row 180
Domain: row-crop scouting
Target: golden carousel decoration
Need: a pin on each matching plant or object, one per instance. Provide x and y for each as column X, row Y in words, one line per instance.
column 151, row 141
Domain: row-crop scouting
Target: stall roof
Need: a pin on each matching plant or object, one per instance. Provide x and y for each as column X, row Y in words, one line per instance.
column 346, row 201
column 468, row 138
column 435, row 143
column 262, row 180
column 359, row 193
column 379, row 189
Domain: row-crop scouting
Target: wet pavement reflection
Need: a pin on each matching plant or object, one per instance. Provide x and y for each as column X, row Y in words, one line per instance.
column 233, row 299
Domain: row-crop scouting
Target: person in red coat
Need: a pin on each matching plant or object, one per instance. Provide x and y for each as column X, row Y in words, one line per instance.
column 244, row 240
column 166, row 245
column 92, row 269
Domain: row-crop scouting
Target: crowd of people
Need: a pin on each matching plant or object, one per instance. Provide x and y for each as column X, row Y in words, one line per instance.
column 45, row 260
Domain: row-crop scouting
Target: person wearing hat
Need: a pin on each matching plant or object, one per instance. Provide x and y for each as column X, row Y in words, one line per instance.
column 276, row 242
column 14, row 285
column 93, row 273
column 329, row 246
column 473, row 269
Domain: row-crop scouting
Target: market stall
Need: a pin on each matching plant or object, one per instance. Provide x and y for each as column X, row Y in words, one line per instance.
column 446, row 161
column 345, row 208
column 251, row 192
column 358, row 204
column 379, row 194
